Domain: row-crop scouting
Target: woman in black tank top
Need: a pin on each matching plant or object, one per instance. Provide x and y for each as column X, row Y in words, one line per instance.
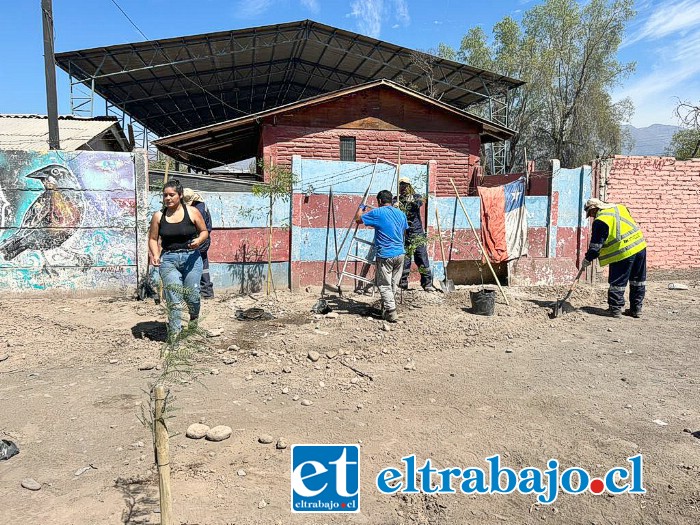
column 181, row 230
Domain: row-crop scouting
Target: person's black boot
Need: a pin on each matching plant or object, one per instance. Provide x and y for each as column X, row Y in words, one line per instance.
column 614, row 312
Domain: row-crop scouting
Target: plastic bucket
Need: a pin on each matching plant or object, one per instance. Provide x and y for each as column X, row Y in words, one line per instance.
column 483, row 302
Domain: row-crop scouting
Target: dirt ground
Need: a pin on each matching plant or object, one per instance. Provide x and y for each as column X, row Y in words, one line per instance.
column 445, row 384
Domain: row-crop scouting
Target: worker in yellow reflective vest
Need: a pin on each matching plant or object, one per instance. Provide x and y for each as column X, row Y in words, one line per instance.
column 616, row 240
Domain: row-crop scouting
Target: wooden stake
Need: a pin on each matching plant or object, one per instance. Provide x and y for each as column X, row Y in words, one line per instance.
column 165, row 181
column 269, row 239
column 269, row 250
column 523, row 209
column 398, row 174
column 163, row 458
column 478, row 242
column 527, row 171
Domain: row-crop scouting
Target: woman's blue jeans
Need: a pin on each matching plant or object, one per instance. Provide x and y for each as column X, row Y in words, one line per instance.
column 181, row 273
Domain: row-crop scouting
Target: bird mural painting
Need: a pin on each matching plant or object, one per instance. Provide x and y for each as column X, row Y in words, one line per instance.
column 52, row 219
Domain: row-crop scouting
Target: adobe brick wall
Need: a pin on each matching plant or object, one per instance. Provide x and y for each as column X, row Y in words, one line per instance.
column 456, row 154
column 663, row 196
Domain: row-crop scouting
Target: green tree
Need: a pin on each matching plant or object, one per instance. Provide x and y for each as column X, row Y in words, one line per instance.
column 280, row 182
column 685, row 143
column 566, row 54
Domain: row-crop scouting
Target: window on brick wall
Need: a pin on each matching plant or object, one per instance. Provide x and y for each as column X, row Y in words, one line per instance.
column 347, row 148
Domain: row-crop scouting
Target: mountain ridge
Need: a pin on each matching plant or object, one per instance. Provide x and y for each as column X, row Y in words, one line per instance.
column 650, row 140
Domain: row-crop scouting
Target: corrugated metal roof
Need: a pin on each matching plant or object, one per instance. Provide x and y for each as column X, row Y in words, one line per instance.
column 177, row 84
column 202, row 182
column 31, row 132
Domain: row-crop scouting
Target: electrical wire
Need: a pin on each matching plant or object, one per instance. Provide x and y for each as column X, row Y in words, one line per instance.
column 171, row 64
column 129, row 19
column 331, row 178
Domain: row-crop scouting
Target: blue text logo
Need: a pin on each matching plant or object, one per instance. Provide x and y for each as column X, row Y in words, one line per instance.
column 325, row 478
column 498, row 479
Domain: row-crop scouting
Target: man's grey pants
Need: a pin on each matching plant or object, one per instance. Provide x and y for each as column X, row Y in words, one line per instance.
column 387, row 278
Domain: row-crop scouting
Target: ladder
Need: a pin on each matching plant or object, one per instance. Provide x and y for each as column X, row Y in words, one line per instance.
column 357, row 244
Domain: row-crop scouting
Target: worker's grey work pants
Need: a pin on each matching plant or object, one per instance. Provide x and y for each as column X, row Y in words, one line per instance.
column 387, row 278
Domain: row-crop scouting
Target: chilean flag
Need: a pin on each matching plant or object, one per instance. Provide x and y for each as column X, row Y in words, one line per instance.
column 504, row 221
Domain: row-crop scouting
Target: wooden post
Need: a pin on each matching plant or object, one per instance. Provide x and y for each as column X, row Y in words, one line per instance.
column 50, row 73
column 132, row 138
column 163, row 458
column 478, row 242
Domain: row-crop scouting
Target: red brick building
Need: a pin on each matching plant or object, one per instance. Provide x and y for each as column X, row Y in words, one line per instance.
column 370, row 121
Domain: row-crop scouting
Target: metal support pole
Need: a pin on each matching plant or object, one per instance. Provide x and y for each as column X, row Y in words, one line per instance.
column 50, row 72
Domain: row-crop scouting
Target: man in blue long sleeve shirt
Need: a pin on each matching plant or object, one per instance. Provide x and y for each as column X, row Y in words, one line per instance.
column 390, row 226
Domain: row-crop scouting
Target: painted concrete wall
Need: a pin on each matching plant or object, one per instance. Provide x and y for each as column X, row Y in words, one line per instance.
column 663, row 196
column 557, row 230
column 101, row 210
column 559, row 226
column 239, row 240
column 350, row 181
column 79, row 236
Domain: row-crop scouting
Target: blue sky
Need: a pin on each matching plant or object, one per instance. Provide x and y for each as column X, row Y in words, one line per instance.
column 664, row 38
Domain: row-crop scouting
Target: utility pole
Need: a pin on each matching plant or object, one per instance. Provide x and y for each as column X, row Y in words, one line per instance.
column 50, row 69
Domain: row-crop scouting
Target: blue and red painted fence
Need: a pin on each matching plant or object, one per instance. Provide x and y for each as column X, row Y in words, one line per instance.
column 556, row 228
column 106, row 249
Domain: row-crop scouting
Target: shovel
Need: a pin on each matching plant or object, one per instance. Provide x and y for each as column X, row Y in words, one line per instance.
column 560, row 306
column 446, row 284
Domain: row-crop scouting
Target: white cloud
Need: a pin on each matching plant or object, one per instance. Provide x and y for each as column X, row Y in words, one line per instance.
column 252, row 8
column 255, row 8
column 372, row 14
column 668, row 18
column 369, row 15
column 311, row 5
column 402, row 12
column 676, row 75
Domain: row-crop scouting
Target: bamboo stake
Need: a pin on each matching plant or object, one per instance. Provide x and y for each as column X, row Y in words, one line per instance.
column 165, row 181
column 269, row 249
column 163, row 458
column 398, row 174
column 527, row 171
column 523, row 210
column 269, row 237
column 478, row 242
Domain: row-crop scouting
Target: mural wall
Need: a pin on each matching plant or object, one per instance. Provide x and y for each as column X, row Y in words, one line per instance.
column 349, row 180
column 78, row 221
column 67, row 220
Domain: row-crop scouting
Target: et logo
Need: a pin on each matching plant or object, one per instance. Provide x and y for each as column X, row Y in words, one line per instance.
column 325, row 478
